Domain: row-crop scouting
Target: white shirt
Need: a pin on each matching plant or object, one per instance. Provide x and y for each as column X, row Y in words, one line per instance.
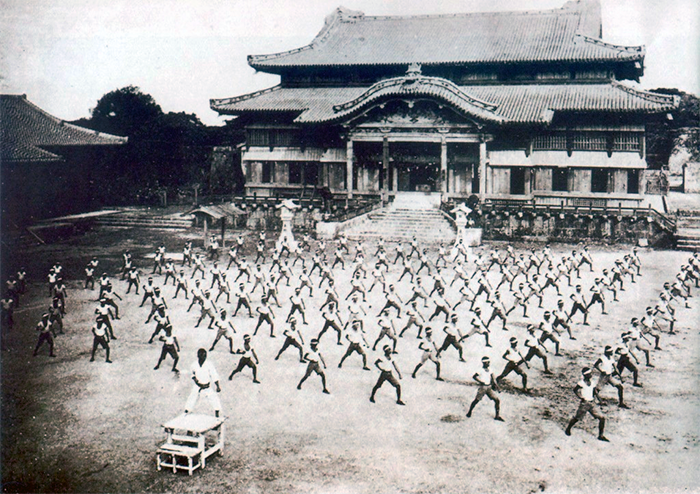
column 206, row 373
column 586, row 390
column 512, row 355
column 485, row 376
column 607, row 364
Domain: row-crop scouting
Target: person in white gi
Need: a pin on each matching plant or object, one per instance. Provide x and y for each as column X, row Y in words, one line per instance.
column 203, row 375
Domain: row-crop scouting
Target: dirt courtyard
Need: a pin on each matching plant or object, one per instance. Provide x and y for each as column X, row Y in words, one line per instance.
column 71, row 425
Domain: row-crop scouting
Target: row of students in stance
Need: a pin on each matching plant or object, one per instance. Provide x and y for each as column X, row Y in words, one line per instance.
column 507, row 281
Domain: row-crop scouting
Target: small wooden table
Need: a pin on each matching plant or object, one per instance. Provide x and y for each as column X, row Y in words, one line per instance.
column 191, row 439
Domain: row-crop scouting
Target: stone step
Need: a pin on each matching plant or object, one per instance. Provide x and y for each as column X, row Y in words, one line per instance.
column 430, row 225
column 691, row 245
column 144, row 222
column 688, row 232
column 688, row 222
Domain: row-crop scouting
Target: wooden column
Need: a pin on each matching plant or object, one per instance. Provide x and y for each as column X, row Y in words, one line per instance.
column 385, row 169
column 348, row 168
column 482, row 170
column 443, row 165
column 206, row 232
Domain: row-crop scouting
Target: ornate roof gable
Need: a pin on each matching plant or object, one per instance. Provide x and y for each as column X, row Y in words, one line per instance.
column 414, row 85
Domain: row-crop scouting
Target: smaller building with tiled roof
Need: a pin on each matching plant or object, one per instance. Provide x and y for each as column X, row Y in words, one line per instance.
column 45, row 161
column 527, row 105
column 28, row 132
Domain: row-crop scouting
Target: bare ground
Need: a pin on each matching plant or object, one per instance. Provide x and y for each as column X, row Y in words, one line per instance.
column 69, row 425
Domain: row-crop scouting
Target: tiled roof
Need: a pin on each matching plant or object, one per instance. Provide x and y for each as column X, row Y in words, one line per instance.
column 352, row 38
column 25, row 129
column 496, row 103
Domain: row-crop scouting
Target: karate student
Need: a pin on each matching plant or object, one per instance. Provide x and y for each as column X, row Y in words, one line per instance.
column 100, row 338
column 387, row 366
column 204, row 375
column 224, row 329
column 293, row 338
column 170, row 347
column 358, row 343
column 248, row 359
column 514, row 359
column 585, row 392
column 315, row 360
column 429, row 353
column 487, row 386
column 265, row 314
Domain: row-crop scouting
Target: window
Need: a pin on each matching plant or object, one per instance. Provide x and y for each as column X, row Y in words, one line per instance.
column 294, row 172
column 599, row 180
column 590, row 141
column 517, row 181
column 258, row 137
column 560, row 179
column 268, row 172
column 628, row 141
column 633, row 181
column 311, row 173
column 551, row 141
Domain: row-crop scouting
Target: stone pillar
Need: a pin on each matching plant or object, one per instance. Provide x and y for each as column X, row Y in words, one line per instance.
column 348, row 168
column 482, row 170
column 443, row 167
column 287, row 209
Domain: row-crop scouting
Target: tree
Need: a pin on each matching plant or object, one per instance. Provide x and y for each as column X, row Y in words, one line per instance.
column 126, row 112
column 165, row 150
column 660, row 134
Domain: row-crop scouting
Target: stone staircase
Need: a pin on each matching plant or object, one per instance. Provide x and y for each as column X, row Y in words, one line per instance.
column 409, row 215
column 135, row 219
column 688, row 231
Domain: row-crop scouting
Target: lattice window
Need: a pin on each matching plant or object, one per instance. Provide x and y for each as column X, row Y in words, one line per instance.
column 589, row 141
column 554, row 141
column 628, row 141
column 258, row 137
column 273, row 137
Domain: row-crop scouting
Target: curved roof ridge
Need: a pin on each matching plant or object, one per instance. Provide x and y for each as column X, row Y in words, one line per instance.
column 668, row 99
column 557, row 11
column 338, row 15
column 416, row 85
column 237, row 99
column 394, row 81
column 638, row 49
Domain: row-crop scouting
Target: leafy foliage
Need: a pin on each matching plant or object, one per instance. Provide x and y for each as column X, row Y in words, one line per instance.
column 662, row 133
column 165, row 151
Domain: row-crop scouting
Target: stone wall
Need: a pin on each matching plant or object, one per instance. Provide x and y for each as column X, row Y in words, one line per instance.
column 692, row 178
column 573, row 227
column 266, row 217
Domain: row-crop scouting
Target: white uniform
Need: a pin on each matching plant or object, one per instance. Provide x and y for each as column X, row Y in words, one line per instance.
column 206, row 375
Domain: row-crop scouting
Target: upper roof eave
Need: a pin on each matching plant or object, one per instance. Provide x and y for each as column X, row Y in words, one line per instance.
column 564, row 39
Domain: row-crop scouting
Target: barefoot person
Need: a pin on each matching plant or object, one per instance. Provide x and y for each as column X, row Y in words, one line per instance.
column 204, row 375
column 586, row 391
column 387, row 366
column 487, row 386
column 315, row 360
